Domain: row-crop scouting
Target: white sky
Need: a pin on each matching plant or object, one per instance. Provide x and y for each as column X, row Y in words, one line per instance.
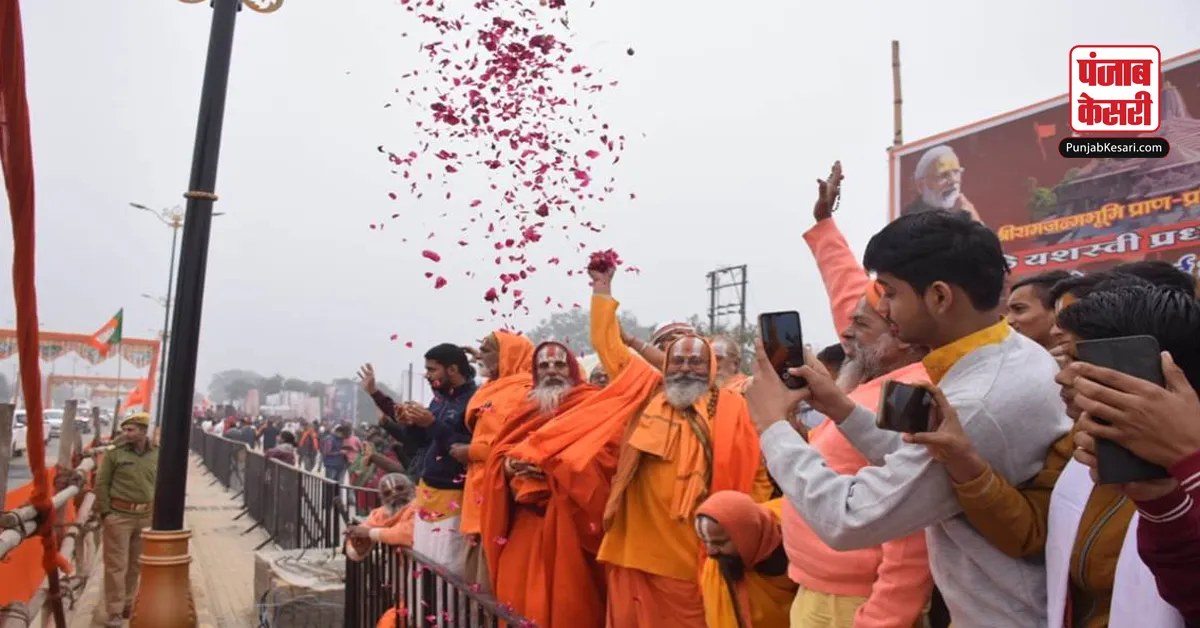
column 742, row 105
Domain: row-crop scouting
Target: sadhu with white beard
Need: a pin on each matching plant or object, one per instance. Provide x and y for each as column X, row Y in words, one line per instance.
column 546, row 482
column 691, row 439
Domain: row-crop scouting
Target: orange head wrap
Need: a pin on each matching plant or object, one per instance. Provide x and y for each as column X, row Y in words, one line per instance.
column 750, row 526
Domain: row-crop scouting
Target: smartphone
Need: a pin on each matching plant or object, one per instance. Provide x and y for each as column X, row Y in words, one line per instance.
column 1140, row 357
column 904, row 408
column 784, row 344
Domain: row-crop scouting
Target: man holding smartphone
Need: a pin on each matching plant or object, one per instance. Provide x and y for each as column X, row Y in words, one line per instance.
column 941, row 275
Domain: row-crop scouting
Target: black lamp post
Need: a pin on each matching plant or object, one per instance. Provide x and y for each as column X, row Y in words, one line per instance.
column 165, row 588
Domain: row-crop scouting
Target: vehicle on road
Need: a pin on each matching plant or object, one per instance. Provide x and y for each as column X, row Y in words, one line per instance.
column 51, row 431
column 18, row 437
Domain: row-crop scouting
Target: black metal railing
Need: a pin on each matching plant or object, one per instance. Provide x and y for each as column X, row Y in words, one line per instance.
column 421, row 593
column 300, row 510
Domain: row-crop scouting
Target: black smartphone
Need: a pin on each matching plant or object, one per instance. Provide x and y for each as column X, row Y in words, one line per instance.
column 1140, row 357
column 904, row 408
column 784, row 344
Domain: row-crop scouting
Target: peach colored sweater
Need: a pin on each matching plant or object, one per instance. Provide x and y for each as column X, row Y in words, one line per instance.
column 894, row 577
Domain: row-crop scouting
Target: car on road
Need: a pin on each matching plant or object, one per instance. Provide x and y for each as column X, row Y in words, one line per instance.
column 18, row 437
column 51, row 432
column 53, row 420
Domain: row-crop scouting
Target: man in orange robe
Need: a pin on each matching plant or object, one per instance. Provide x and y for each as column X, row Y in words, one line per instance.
column 744, row 578
column 508, row 360
column 547, row 481
column 729, row 364
column 690, row 439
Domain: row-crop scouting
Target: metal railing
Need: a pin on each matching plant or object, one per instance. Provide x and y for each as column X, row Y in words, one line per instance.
column 300, row 510
column 421, row 592
column 78, row 537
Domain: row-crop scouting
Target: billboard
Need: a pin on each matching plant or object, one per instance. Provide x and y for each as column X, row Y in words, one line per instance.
column 1056, row 213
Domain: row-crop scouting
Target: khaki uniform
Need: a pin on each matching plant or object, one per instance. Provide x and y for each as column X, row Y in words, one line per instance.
column 124, row 490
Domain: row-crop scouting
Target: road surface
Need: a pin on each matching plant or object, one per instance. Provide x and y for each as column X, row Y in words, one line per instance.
column 18, row 468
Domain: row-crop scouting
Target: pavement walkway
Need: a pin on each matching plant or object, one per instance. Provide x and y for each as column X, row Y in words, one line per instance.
column 222, row 559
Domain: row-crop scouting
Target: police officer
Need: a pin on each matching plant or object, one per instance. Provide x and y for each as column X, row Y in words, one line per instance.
column 124, row 490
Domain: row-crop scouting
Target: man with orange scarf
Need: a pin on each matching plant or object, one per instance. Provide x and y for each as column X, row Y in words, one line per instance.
column 546, row 483
column 689, row 440
column 507, row 360
column 744, row 578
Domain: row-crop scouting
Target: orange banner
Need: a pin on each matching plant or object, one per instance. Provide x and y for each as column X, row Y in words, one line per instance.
column 1052, row 212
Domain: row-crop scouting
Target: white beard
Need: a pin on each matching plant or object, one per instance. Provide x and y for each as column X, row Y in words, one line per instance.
column 946, row 201
column 549, row 396
column 684, row 389
column 850, row 375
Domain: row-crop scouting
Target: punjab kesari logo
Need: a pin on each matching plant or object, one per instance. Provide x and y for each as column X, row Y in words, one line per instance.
column 1115, row 89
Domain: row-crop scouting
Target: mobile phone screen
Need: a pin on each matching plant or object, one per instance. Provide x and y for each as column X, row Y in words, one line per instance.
column 784, row 343
column 904, row 408
column 1132, row 355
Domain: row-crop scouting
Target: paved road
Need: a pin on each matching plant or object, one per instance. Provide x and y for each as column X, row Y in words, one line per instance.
column 18, row 468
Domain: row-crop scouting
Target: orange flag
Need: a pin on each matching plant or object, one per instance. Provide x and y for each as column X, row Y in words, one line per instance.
column 1044, row 131
column 139, row 396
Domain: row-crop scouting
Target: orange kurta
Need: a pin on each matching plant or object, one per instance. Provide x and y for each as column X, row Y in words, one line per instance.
column 659, row 484
column 486, row 413
column 541, row 535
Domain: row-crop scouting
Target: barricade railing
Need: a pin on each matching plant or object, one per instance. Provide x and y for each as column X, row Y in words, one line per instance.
column 300, row 510
column 422, row 594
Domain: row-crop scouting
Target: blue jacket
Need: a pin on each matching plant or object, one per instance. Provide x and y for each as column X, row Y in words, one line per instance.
column 438, row 468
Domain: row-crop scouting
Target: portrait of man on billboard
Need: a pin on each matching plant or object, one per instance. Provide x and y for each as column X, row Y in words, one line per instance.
column 938, row 178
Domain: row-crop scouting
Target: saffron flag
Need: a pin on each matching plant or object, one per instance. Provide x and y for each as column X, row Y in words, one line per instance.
column 1044, row 131
column 138, row 397
column 109, row 335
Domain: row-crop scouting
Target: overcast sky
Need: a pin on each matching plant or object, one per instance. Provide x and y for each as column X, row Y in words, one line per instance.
column 742, row 106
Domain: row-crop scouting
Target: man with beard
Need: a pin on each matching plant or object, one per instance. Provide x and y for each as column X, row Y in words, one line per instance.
column 391, row 523
column 729, row 364
column 888, row 584
column 436, row 429
column 508, row 359
column 690, row 439
column 744, row 578
column 938, row 177
column 545, row 486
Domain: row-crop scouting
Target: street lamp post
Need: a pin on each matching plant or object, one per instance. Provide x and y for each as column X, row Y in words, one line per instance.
column 164, row 598
column 172, row 218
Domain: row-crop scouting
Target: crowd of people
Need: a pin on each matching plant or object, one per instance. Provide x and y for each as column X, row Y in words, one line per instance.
column 669, row 488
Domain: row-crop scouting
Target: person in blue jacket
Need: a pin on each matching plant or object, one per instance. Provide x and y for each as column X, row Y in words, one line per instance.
column 436, row 429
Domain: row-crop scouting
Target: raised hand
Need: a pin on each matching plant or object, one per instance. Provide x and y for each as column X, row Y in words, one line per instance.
column 828, row 192
column 367, row 375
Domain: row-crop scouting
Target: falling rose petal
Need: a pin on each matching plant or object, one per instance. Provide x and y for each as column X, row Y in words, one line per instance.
column 428, row 275
column 476, row 203
column 501, row 541
column 592, row 154
column 392, row 195
column 431, row 256
column 439, row 283
column 395, row 336
column 372, row 225
column 409, row 344
column 491, row 296
column 462, row 243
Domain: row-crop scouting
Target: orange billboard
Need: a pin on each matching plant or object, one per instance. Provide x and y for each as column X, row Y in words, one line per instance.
column 1056, row 213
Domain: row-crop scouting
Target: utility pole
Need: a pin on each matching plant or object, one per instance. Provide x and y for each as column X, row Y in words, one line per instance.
column 727, row 297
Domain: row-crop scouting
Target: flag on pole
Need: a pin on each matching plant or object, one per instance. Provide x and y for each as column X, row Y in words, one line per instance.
column 109, row 335
column 138, row 397
column 1043, row 132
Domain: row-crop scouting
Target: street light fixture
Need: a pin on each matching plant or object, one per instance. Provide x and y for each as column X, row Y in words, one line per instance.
column 172, row 218
column 165, row 589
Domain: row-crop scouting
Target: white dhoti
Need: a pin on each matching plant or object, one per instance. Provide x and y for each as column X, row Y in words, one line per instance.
column 440, row 542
